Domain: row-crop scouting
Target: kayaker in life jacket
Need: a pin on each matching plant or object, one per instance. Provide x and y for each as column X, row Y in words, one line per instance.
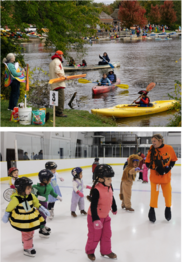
column 111, row 76
column 104, row 81
column 145, row 100
column 84, row 63
column 72, row 62
column 105, row 59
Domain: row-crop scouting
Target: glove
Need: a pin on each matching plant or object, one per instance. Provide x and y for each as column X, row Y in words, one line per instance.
column 41, row 198
column 80, row 193
column 137, row 169
column 114, row 213
column 89, row 187
column 59, row 198
column 12, row 186
column 144, row 158
column 98, row 224
column 44, row 210
column 160, row 170
column 167, row 169
column 5, row 218
column 62, row 179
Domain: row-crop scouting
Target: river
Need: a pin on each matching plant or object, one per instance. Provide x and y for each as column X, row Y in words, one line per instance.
column 141, row 63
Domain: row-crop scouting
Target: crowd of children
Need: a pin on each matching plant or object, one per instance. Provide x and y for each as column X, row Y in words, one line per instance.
column 28, row 208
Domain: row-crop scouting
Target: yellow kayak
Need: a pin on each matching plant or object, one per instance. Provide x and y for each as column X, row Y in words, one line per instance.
column 126, row 110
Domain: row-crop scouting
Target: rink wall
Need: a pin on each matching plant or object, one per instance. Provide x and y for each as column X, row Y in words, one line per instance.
column 32, row 167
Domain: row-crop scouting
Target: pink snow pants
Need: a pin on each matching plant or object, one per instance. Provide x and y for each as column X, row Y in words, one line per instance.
column 27, row 239
column 95, row 235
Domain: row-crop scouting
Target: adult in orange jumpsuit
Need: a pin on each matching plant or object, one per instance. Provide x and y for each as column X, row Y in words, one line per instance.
column 160, row 159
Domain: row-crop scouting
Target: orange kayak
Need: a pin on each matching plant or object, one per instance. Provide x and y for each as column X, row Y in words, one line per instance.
column 104, row 89
column 61, row 79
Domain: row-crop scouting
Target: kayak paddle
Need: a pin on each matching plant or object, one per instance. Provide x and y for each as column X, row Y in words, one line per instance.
column 148, row 88
column 85, row 81
column 61, row 79
column 107, row 62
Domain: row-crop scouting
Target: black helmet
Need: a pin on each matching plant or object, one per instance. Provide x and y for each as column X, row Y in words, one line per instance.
column 50, row 165
column 45, row 175
column 96, row 159
column 103, row 170
column 22, row 182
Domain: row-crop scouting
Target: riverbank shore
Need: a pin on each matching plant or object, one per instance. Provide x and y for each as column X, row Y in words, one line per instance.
column 76, row 118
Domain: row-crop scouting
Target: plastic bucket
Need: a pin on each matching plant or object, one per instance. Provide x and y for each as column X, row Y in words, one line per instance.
column 25, row 116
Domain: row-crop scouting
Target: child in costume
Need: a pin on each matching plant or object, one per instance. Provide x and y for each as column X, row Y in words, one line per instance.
column 44, row 189
column 129, row 175
column 13, row 175
column 52, row 167
column 160, row 159
column 98, row 220
column 95, row 163
column 77, row 194
column 145, row 172
column 22, row 215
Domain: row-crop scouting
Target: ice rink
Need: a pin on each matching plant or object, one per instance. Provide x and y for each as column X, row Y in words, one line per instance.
column 134, row 238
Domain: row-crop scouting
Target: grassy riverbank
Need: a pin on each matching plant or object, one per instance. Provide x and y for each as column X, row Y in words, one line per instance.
column 76, row 118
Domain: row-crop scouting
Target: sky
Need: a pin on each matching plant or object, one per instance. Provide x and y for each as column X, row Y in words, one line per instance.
column 104, row 1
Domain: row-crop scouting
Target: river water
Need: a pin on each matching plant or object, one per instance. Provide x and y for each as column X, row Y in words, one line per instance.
column 141, row 63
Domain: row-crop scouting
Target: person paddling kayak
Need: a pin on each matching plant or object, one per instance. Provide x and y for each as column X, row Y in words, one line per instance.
column 104, row 81
column 111, row 76
column 105, row 59
column 145, row 100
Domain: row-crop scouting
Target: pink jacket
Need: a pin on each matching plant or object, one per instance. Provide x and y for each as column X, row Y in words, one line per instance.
column 145, row 172
column 105, row 201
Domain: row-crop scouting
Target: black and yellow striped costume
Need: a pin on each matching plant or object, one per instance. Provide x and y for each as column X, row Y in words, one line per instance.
column 23, row 216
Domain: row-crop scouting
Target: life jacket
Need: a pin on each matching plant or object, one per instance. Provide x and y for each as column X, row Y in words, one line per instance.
column 111, row 77
column 104, row 81
column 105, row 200
column 142, row 104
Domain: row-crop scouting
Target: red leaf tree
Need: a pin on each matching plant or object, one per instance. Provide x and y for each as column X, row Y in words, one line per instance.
column 132, row 13
column 168, row 15
column 154, row 15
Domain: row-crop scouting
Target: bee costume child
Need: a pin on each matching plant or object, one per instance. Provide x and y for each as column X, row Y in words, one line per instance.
column 22, row 215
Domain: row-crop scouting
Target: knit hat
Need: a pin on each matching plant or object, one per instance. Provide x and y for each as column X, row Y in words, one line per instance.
column 143, row 92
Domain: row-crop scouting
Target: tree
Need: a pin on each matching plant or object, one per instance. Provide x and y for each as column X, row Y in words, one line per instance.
column 131, row 13
column 68, row 21
column 168, row 15
column 154, row 16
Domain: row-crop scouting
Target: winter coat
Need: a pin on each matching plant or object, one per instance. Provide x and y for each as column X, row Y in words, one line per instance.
column 56, row 70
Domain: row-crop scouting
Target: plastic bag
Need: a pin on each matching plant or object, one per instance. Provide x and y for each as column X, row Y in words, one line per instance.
column 38, row 117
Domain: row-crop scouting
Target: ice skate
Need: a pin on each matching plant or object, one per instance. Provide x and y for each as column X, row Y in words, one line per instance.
column 51, row 213
column 29, row 252
column 43, row 233
column 130, row 209
column 73, row 214
column 168, row 213
column 151, row 215
column 111, row 255
column 123, row 206
column 48, row 229
column 83, row 212
column 91, row 257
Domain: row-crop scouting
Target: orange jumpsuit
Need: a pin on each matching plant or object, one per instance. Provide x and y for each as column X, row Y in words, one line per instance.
column 166, row 154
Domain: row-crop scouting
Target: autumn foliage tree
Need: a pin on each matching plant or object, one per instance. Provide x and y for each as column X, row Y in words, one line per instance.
column 168, row 15
column 154, row 15
column 132, row 13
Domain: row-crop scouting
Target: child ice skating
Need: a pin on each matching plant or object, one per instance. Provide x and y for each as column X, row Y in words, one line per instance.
column 129, row 175
column 44, row 189
column 77, row 194
column 13, row 175
column 145, row 172
column 95, row 163
column 98, row 220
column 22, row 215
column 52, row 167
